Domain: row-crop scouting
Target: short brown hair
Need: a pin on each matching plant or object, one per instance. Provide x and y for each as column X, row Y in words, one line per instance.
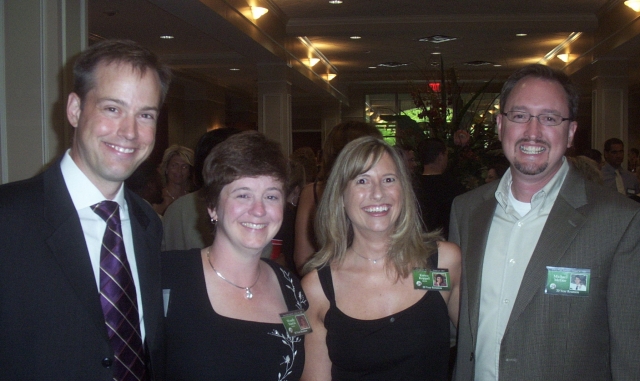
column 121, row 52
column 247, row 154
column 546, row 73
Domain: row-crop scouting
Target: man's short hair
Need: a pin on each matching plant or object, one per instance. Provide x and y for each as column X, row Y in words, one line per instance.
column 546, row 73
column 117, row 51
column 610, row 142
column 429, row 149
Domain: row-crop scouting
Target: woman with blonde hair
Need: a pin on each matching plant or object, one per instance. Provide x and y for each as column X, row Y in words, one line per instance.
column 370, row 321
column 338, row 137
column 177, row 170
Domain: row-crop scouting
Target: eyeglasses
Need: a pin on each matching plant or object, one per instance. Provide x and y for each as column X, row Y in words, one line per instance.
column 544, row 119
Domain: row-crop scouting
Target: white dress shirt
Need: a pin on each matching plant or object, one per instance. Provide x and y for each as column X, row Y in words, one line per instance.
column 84, row 194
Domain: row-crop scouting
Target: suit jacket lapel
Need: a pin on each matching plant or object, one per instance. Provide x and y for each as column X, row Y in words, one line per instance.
column 479, row 225
column 562, row 225
column 68, row 245
column 148, row 265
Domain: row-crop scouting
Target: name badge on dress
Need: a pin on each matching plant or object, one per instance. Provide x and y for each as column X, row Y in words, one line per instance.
column 568, row 281
column 436, row 279
column 296, row 323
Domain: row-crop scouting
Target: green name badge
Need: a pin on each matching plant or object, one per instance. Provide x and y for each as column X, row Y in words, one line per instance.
column 567, row 281
column 437, row 279
column 296, row 323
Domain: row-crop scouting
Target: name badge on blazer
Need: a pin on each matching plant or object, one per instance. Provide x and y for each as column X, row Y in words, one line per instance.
column 567, row 281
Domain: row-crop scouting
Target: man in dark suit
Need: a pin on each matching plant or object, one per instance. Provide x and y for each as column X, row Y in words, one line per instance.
column 524, row 237
column 55, row 325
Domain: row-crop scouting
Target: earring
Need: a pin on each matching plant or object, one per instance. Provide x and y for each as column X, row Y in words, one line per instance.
column 213, row 220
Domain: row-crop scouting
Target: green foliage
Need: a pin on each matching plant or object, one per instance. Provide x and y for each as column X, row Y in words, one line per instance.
column 470, row 137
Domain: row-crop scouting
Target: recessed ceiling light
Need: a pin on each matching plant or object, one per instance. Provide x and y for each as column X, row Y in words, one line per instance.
column 437, row 39
column 521, row 34
column 392, row 64
column 497, row 65
column 355, row 37
column 436, row 53
column 167, row 37
column 372, row 67
column 335, row 1
column 234, row 69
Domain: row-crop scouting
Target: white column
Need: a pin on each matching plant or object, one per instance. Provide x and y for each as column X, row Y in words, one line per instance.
column 274, row 104
column 38, row 39
column 610, row 102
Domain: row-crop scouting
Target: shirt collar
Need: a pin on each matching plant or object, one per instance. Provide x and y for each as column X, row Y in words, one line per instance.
column 83, row 192
column 545, row 196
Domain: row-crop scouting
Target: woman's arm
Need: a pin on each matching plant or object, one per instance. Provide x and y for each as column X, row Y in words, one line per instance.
column 304, row 235
column 449, row 257
column 317, row 365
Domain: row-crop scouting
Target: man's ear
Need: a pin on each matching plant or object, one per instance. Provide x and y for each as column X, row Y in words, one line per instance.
column 74, row 109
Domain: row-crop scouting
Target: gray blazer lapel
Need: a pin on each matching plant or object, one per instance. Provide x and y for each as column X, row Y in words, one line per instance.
column 68, row 245
column 562, row 225
column 479, row 225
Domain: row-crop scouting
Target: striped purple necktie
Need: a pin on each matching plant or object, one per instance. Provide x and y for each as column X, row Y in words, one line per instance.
column 118, row 299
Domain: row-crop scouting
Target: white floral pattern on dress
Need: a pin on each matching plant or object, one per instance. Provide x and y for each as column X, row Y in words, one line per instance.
column 303, row 304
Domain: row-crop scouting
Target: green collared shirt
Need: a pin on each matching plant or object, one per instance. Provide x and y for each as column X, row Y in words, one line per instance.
column 510, row 244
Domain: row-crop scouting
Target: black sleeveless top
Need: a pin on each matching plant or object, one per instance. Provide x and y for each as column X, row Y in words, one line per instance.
column 412, row 344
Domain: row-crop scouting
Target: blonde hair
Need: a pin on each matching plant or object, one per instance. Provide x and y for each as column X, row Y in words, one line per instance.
column 409, row 245
column 185, row 153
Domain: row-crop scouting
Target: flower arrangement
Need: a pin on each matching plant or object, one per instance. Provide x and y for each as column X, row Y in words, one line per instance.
column 463, row 121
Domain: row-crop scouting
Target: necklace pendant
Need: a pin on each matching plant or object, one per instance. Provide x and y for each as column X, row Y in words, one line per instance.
column 248, row 294
column 375, row 261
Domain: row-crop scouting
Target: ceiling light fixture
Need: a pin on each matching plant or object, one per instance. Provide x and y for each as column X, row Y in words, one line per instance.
column 437, row 39
column 355, row 37
column 436, row 53
column 234, row 69
column 392, row 64
column 167, row 37
column 565, row 57
column 311, row 61
column 335, row 1
column 258, row 12
column 478, row 63
column 561, row 47
column 328, row 77
column 521, row 34
column 633, row 4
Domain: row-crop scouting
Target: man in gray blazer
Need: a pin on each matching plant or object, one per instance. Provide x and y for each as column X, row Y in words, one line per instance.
column 56, row 319
column 527, row 236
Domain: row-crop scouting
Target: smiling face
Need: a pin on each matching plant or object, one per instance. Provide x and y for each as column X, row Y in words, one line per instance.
column 535, row 151
column 249, row 213
column 115, row 125
column 178, row 170
column 373, row 199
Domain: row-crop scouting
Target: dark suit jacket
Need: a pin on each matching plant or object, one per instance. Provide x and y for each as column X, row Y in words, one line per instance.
column 51, row 322
column 553, row 337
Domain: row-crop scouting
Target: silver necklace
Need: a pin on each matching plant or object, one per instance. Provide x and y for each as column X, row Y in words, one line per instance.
column 248, row 294
column 375, row 260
